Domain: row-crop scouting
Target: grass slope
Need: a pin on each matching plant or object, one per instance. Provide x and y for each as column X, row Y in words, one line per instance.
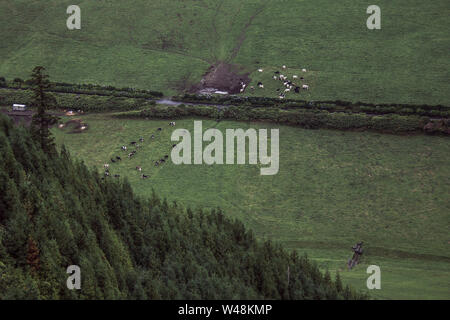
column 333, row 189
column 168, row 45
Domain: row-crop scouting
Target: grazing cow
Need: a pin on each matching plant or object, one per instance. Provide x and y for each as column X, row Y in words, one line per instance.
column 156, row 163
column 305, row 86
column 159, row 129
column 294, row 77
column 260, row 85
column 303, row 70
column 153, row 136
column 162, row 160
column 174, row 145
column 112, row 160
column 106, row 174
column 172, row 124
column 284, row 67
column 297, row 89
column 119, row 158
column 138, row 168
column 281, row 97
column 124, row 148
column 144, row 176
column 133, row 143
column 287, row 90
column 260, row 70
column 141, row 139
column 116, row 175
column 277, row 72
column 166, row 156
column 275, row 78
column 130, row 154
column 106, row 166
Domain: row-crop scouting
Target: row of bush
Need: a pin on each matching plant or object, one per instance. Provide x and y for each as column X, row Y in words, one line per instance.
column 312, row 119
column 438, row 111
column 85, row 102
column 92, row 89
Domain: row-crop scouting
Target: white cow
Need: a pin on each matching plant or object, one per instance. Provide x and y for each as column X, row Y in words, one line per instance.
column 303, row 70
column 295, row 76
column 260, row 70
column 305, row 86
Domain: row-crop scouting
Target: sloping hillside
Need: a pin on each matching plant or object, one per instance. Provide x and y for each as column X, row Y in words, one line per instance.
column 55, row 213
column 168, row 45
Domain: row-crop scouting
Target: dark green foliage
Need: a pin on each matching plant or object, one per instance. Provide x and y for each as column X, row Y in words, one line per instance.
column 329, row 105
column 85, row 102
column 310, row 119
column 42, row 101
column 54, row 212
column 77, row 90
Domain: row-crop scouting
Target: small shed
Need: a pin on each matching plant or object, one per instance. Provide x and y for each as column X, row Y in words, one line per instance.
column 19, row 107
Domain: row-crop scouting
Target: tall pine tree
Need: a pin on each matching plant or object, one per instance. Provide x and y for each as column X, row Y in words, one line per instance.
column 42, row 101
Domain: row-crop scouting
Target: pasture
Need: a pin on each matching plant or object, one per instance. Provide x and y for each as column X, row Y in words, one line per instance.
column 333, row 189
column 169, row 45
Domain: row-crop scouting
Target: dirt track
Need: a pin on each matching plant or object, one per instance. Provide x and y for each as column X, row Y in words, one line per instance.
column 223, row 75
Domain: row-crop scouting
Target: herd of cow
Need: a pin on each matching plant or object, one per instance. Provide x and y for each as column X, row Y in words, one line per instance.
column 157, row 163
column 289, row 85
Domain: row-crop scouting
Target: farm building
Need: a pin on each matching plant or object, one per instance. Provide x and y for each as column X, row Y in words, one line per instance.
column 19, row 107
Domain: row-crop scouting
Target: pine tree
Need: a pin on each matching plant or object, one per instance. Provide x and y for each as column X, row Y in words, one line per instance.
column 33, row 255
column 338, row 282
column 327, row 277
column 42, row 101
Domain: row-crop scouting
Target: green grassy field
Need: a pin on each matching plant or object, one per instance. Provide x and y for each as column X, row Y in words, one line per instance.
column 333, row 189
column 168, row 44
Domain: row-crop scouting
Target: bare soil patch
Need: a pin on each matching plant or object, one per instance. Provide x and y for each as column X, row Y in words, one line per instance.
column 223, row 77
column 77, row 125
